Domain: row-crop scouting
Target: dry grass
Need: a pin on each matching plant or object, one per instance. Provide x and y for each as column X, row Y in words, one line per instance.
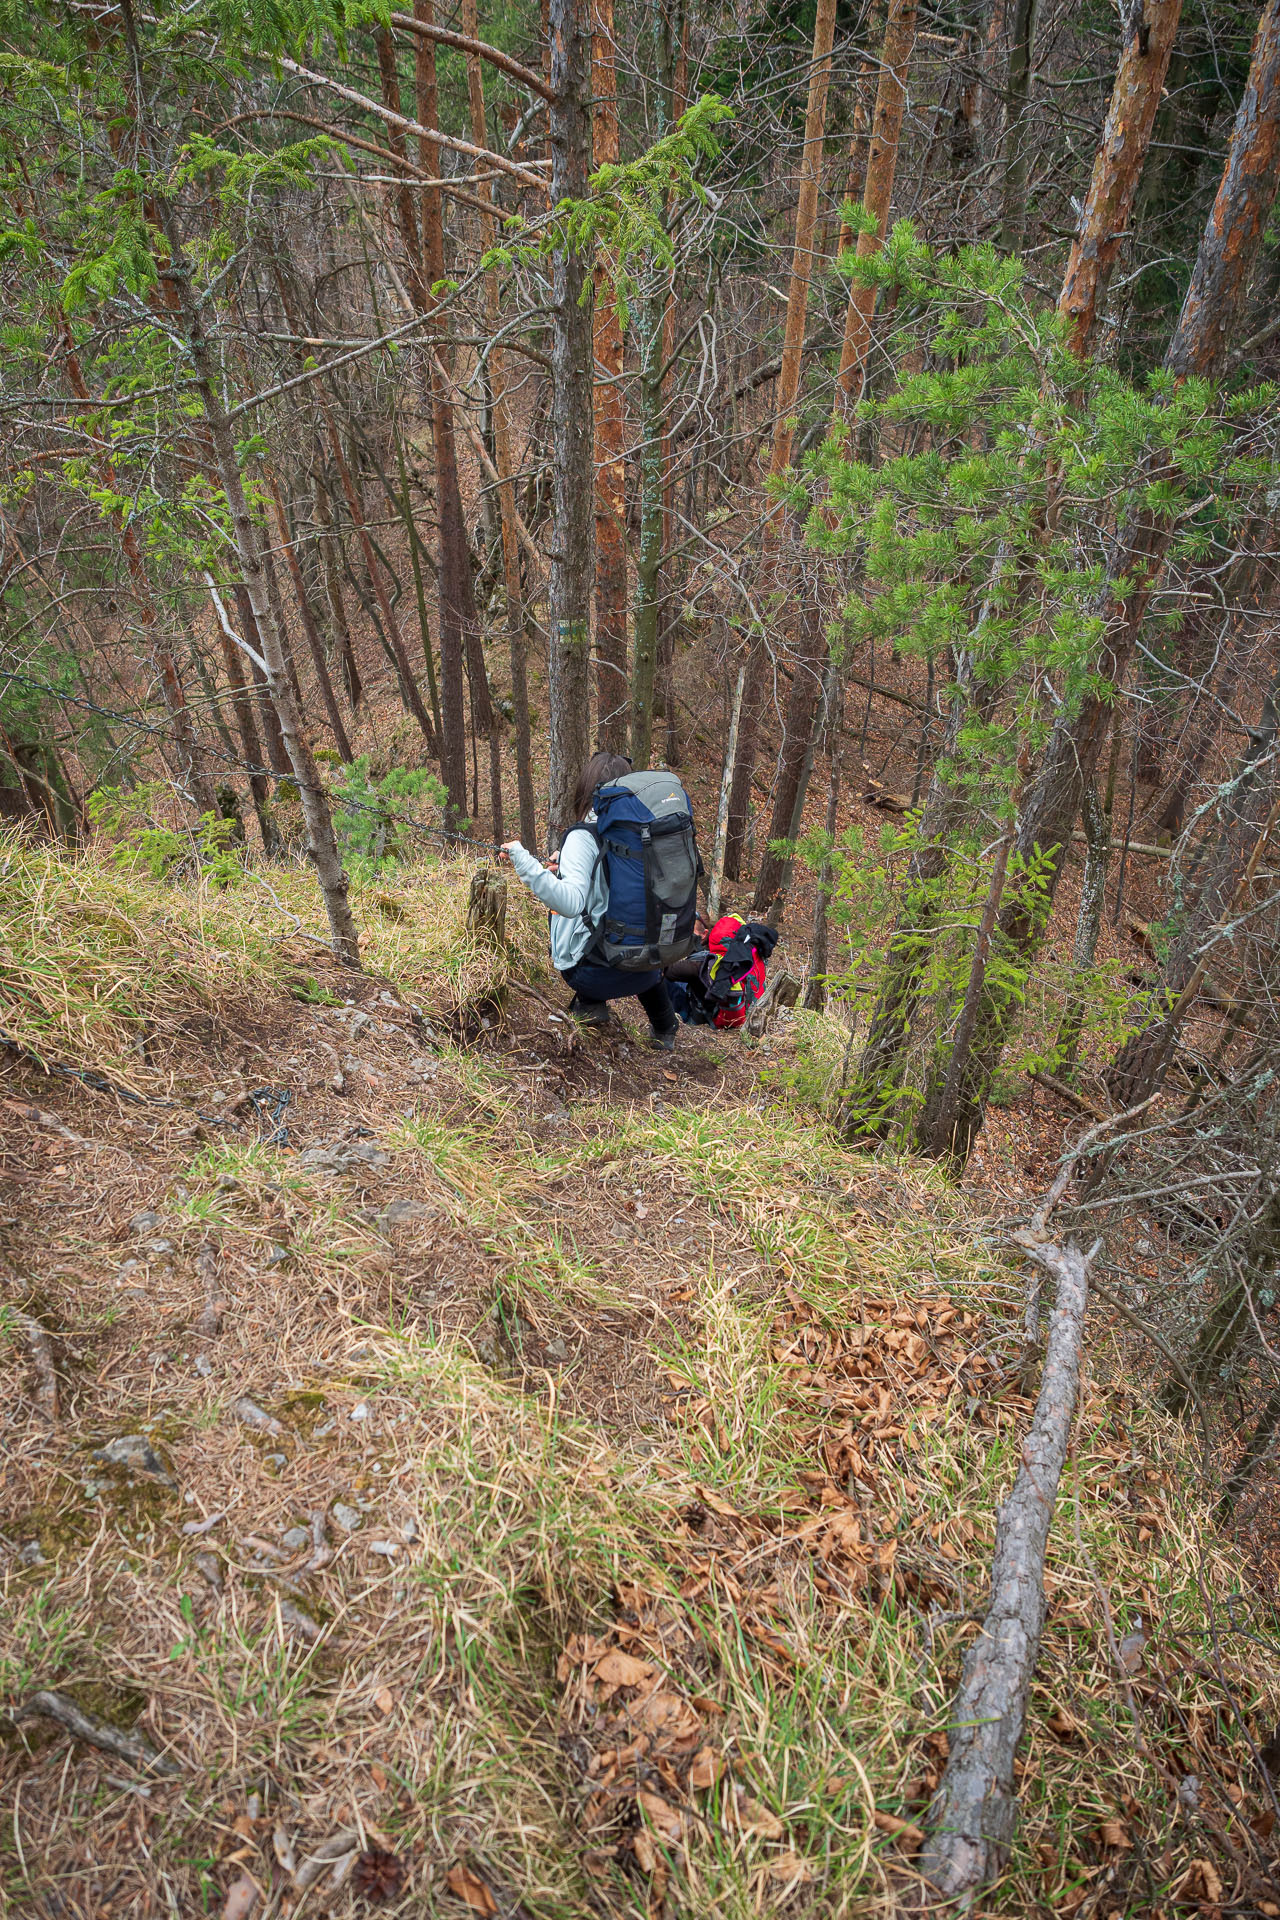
column 674, row 1432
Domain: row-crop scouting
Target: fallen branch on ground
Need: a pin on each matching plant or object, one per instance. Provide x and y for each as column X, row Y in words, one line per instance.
column 42, row 1360
column 95, row 1733
column 970, row 1822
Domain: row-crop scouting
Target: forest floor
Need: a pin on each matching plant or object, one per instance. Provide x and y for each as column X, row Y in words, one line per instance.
column 465, row 1466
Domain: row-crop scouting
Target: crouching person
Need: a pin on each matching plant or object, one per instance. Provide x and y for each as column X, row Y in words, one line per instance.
column 622, row 892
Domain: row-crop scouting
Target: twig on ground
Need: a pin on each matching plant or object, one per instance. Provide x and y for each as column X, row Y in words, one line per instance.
column 87, row 1727
column 1069, row 1094
column 42, row 1359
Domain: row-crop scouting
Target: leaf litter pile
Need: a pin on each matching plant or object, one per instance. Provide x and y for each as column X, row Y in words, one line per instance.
column 496, row 1480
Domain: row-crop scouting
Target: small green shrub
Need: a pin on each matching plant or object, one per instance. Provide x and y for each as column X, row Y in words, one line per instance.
column 128, row 816
column 374, row 816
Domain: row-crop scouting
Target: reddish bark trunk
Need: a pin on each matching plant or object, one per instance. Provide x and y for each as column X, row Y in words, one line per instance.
column 1147, row 29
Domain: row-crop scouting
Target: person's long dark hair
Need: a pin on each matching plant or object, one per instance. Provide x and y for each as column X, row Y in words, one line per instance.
column 600, row 769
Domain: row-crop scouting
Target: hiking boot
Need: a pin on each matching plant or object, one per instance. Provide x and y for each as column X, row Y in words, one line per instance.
column 589, row 1013
column 663, row 1039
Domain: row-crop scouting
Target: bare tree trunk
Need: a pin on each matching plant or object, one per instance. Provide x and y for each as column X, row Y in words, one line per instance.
column 1249, row 817
column 611, row 484
column 1013, row 218
column 1147, row 31
column 314, row 644
column 935, row 1126
column 190, row 765
column 409, row 692
column 877, row 194
column 456, row 596
column 757, row 676
column 315, row 803
column 502, row 460
column 573, row 542
column 869, row 1105
column 797, row 747
column 333, row 592
column 716, row 881
column 277, row 758
column 1230, row 1317
column 1219, row 282
column 970, row 1822
column 1097, row 857
column 242, row 706
column 815, row 993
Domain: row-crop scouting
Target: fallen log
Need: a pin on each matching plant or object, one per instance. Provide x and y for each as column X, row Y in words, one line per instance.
column 969, row 1825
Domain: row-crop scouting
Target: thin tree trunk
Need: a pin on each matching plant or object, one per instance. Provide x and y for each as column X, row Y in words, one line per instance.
column 612, row 689
column 333, row 592
column 815, row 993
column 242, row 705
column 969, row 1825
column 427, row 270
column 935, row 1126
column 1258, row 1447
column 1230, row 1318
column 644, row 659
column 869, row 1105
column 314, row 643
column 315, row 803
column 1219, row 282
column 1147, row 31
column 277, row 757
column 877, row 196
column 573, row 530
column 722, row 815
column 1251, row 812
column 1093, row 891
column 803, row 709
column 503, row 465
column 186, row 750
column 409, row 692
column 1013, row 216
column 757, row 676
column 417, row 553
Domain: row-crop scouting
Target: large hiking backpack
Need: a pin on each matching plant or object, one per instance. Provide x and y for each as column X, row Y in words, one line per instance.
column 644, row 831
column 733, row 974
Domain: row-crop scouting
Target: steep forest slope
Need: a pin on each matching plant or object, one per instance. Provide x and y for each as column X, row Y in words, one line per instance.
column 454, row 1464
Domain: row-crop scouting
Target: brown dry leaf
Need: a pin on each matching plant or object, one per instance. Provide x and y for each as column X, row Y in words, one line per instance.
column 668, row 1820
column 384, row 1700
column 1061, row 1723
column 242, row 1899
column 618, row 1669
column 1201, row 1881
column 789, row 1866
column 1114, row 1833
column 756, row 1819
column 706, row 1769
column 378, row 1776
column 903, row 1830
column 672, row 1719
column 716, row 1504
column 644, row 1850
column 471, row 1889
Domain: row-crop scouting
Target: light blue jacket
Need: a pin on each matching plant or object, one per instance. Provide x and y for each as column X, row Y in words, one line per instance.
column 579, row 888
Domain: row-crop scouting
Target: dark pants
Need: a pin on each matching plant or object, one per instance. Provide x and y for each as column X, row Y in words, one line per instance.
column 594, row 985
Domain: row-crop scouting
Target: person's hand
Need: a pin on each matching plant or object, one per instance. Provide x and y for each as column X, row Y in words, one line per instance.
column 552, row 864
column 504, row 851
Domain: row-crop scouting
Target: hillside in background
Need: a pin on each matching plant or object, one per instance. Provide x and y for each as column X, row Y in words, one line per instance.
column 455, row 1464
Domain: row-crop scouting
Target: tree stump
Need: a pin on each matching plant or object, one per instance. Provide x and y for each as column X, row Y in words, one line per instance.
column 783, row 990
column 487, row 909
